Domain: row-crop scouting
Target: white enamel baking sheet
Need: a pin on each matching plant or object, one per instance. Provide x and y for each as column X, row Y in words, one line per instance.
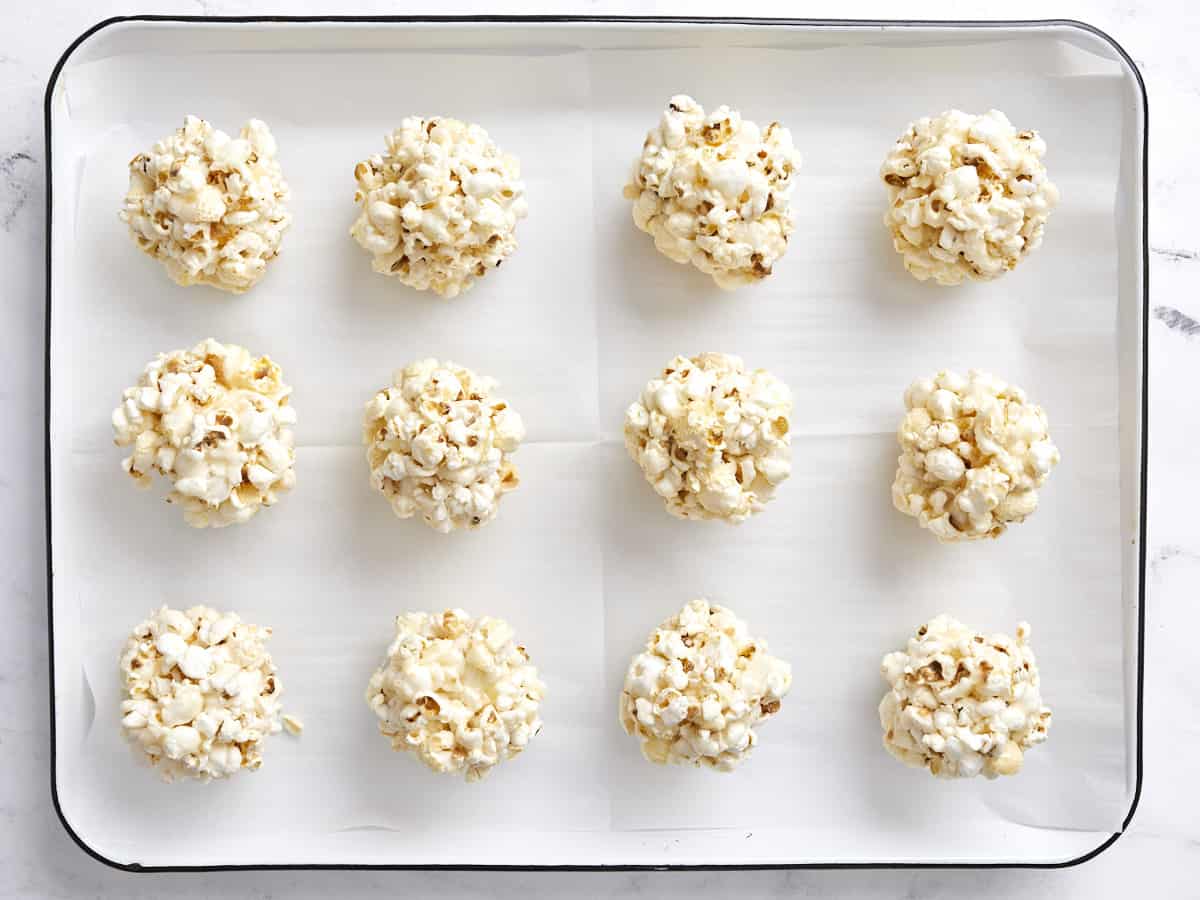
column 583, row 560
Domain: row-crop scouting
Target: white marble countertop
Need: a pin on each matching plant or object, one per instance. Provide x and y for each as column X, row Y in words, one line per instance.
column 1160, row 853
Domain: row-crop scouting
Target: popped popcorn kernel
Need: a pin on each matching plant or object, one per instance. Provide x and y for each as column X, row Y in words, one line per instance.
column 974, row 452
column 211, row 208
column 201, row 693
column 697, row 692
column 712, row 439
column 215, row 422
column 440, row 445
column 969, row 196
column 714, row 191
column 963, row 704
column 458, row 692
column 439, row 208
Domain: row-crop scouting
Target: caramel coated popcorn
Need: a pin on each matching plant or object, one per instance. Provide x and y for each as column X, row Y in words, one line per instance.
column 458, row 692
column 974, row 453
column 969, row 196
column 201, row 693
column 961, row 703
column 712, row 438
column 439, row 208
column 211, row 208
column 216, row 422
column 714, row 191
column 701, row 687
column 440, row 445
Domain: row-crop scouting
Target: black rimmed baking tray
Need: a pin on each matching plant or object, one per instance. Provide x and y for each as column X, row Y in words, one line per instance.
column 583, row 561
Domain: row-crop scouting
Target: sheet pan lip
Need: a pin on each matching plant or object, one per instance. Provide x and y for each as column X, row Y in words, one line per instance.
column 1074, row 24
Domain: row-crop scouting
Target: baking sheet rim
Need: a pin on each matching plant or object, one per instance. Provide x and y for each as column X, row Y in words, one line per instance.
column 625, row 20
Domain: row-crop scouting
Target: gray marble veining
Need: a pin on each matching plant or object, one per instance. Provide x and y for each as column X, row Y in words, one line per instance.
column 1177, row 321
column 18, row 170
column 1175, row 254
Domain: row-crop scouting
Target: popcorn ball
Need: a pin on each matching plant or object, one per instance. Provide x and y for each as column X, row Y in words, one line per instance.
column 712, row 439
column 440, row 445
column 973, row 454
column 201, row 693
column 695, row 694
column 714, row 191
column 969, row 196
column 456, row 691
column 211, row 208
column 215, row 422
column 963, row 704
column 440, row 207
